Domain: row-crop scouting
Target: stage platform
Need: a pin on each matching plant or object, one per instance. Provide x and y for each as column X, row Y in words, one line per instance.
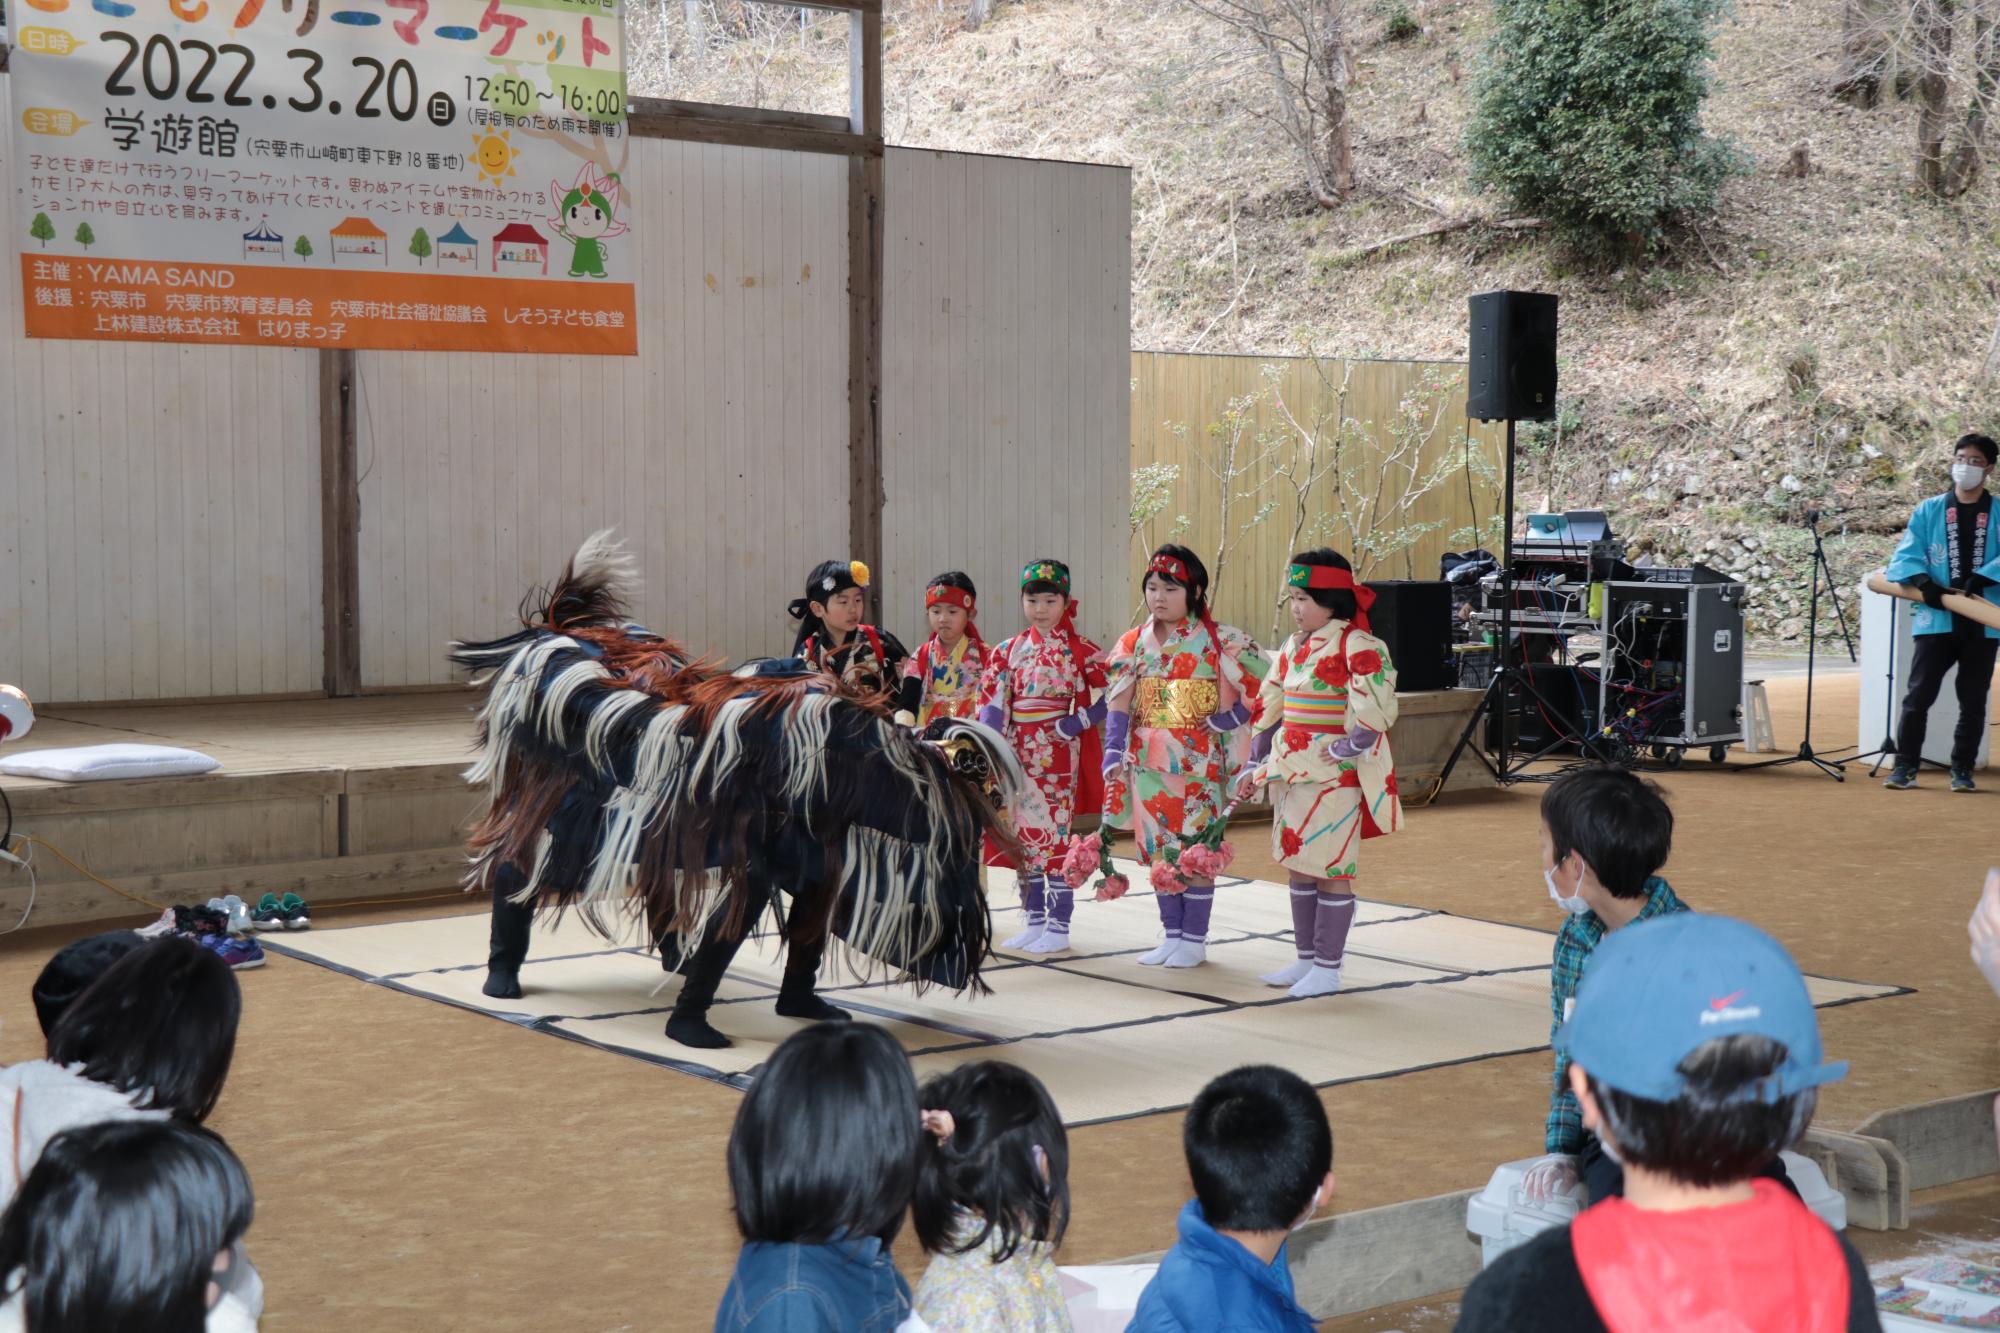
column 335, row 800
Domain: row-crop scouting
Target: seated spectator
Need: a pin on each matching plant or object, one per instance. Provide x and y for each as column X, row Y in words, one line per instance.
column 822, row 1163
column 73, row 968
column 1695, row 1057
column 1605, row 834
column 125, row 1226
column 992, row 1201
column 1260, row 1153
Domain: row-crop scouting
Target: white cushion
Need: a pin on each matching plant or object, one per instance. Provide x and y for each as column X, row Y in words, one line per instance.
column 94, row 763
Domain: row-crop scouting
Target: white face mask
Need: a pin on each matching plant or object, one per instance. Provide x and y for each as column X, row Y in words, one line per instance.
column 1968, row 476
column 1574, row 906
column 1312, row 1209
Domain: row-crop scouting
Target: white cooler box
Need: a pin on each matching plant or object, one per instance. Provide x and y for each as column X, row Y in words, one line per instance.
column 1502, row 1217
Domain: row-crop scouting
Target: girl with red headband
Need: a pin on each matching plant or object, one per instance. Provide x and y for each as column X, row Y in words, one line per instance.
column 1038, row 690
column 1328, row 705
column 1181, row 687
column 941, row 679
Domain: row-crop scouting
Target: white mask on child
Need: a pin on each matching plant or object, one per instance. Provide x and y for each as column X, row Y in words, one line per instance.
column 1574, row 906
column 1968, row 476
column 1312, row 1209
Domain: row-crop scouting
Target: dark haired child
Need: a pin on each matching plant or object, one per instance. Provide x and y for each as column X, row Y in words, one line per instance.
column 1260, row 1153
column 73, row 967
column 1605, row 834
column 834, row 635
column 1695, row 1054
column 992, row 1202
column 127, row 1225
column 941, row 679
column 1181, row 689
column 1323, row 738
column 1038, row 690
column 822, row 1164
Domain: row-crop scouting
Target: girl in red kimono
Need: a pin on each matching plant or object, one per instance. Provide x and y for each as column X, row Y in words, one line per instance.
column 1038, row 690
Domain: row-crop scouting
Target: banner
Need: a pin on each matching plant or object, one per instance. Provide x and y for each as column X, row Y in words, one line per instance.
column 445, row 175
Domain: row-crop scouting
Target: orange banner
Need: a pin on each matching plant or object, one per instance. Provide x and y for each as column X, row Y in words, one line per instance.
column 154, row 301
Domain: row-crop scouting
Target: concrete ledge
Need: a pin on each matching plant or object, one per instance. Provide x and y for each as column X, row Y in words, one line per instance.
column 1942, row 1142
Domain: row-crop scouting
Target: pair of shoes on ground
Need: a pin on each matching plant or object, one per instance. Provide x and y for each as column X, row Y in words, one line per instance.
column 1175, row 952
column 281, row 913
column 1904, row 777
column 1305, row 978
column 214, row 927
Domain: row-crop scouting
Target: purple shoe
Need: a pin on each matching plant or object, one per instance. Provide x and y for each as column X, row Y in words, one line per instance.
column 236, row 950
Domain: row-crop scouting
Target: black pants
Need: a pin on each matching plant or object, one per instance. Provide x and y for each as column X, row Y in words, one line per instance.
column 1936, row 654
column 1605, row 1179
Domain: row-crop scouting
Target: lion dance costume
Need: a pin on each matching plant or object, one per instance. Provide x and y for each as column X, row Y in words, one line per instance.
column 628, row 777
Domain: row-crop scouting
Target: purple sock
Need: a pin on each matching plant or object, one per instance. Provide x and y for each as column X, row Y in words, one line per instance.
column 1172, row 912
column 1305, row 905
column 1062, row 902
column 1031, row 898
column 1200, row 900
column 1330, row 926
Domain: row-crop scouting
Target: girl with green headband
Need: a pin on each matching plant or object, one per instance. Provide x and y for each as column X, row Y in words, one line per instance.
column 1323, row 746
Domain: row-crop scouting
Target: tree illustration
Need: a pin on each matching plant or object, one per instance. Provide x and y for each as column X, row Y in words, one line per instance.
column 85, row 237
column 42, row 229
column 420, row 245
column 303, row 248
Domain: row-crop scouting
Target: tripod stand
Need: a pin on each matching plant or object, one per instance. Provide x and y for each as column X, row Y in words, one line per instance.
column 1821, row 569
column 1509, row 681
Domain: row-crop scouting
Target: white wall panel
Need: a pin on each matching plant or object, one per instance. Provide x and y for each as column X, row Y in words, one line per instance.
column 1006, row 381
column 720, row 451
column 159, row 513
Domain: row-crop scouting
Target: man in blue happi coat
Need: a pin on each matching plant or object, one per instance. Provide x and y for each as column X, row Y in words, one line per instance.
column 1951, row 545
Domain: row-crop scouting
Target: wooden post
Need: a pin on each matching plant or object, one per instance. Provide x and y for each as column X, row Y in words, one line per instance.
column 340, row 524
column 865, row 495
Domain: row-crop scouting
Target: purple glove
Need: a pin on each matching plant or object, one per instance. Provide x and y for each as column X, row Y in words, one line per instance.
column 1072, row 725
column 1117, row 734
column 994, row 716
column 1231, row 720
column 1260, row 745
column 1354, row 742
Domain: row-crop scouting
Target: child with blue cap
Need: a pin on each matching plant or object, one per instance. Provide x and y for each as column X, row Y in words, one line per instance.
column 1695, row 1056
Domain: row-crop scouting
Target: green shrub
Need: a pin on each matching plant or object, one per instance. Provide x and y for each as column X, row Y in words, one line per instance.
column 1588, row 113
column 1402, row 24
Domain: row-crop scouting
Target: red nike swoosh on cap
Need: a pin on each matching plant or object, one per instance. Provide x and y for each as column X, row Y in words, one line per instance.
column 1725, row 1001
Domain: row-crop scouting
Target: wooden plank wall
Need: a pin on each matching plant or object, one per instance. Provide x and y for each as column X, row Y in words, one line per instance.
column 1177, row 398
column 720, row 451
column 1006, row 356
column 159, row 514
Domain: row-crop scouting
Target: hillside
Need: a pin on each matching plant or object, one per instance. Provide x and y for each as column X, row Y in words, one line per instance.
column 1818, row 343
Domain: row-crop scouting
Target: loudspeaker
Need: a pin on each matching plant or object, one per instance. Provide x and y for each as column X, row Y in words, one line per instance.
column 1413, row 616
column 1511, row 368
column 1565, row 714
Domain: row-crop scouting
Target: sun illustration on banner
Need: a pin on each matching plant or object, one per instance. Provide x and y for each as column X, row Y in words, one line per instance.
column 494, row 156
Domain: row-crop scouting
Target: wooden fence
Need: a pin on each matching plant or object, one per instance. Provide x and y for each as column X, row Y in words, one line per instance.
column 1246, row 459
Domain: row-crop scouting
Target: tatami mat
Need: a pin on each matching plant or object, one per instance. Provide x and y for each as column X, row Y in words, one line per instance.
column 1110, row 1038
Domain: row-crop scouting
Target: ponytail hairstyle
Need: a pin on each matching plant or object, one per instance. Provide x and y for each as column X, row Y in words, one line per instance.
column 1340, row 601
column 828, row 579
column 959, row 581
column 985, row 1122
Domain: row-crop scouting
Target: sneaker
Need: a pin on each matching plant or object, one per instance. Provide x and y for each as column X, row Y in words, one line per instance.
column 1901, row 778
column 168, row 924
column 1961, row 780
column 297, row 915
column 202, row 922
column 269, row 914
column 239, row 951
column 236, row 910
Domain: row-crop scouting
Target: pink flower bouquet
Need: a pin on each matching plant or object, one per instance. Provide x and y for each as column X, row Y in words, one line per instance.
column 1113, row 886
column 1166, row 878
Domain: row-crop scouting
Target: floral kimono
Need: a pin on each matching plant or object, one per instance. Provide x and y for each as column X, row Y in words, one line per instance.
column 944, row 684
column 1322, row 684
column 1173, row 679
column 1035, row 680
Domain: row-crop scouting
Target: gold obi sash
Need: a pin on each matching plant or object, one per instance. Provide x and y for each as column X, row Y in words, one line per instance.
column 1176, row 704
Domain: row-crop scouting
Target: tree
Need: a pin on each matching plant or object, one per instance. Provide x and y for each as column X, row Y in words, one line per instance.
column 42, row 229
column 85, row 237
column 303, row 248
column 1302, row 45
column 420, row 245
column 1588, row 114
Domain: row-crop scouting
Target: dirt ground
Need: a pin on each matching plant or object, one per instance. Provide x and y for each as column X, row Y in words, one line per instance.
column 421, row 1167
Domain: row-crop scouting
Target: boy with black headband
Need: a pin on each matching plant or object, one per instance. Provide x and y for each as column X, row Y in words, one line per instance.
column 1695, row 1054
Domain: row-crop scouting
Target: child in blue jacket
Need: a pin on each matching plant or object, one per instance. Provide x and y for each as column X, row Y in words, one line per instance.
column 1260, row 1152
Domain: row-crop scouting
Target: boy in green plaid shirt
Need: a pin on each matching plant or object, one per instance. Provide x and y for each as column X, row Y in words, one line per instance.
column 1605, row 834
